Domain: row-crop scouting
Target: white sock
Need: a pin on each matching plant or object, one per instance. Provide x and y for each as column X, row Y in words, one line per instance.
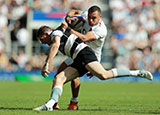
column 56, row 93
column 134, row 72
column 50, row 103
column 74, row 99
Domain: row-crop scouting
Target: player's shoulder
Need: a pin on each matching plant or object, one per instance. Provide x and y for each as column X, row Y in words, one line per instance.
column 100, row 29
column 100, row 26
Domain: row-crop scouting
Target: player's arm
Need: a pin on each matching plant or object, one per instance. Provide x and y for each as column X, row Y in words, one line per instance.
column 89, row 36
column 53, row 49
column 52, row 52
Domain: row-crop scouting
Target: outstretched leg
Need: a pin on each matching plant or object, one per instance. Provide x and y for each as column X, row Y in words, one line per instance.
column 97, row 69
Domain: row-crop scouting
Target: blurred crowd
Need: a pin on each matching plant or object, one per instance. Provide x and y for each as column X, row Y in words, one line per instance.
column 136, row 34
column 135, row 27
column 13, row 30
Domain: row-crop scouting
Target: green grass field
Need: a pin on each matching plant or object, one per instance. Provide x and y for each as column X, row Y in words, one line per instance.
column 96, row 98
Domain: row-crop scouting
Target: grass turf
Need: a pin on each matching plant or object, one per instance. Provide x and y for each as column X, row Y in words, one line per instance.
column 105, row 98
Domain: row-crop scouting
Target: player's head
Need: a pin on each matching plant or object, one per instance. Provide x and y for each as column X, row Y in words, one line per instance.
column 94, row 15
column 44, row 34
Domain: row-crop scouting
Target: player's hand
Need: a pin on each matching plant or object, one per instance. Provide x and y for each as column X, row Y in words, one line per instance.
column 90, row 75
column 64, row 25
column 44, row 70
column 69, row 20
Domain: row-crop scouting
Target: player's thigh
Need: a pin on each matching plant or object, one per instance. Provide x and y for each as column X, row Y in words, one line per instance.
column 96, row 69
column 62, row 67
column 68, row 74
column 65, row 64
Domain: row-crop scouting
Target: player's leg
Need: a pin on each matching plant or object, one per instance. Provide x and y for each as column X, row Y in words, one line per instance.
column 67, row 75
column 97, row 69
column 62, row 67
column 75, row 85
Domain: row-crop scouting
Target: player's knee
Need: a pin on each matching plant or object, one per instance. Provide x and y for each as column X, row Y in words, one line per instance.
column 76, row 81
column 103, row 76
column 59, row 79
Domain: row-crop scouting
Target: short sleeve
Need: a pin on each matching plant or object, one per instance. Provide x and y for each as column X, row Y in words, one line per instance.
column 99, row 32
column 56, row 33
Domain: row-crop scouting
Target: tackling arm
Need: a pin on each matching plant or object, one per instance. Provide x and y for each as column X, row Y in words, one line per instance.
column 89, row 36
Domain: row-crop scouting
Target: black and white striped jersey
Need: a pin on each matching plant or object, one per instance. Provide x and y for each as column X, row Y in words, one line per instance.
column 70, row 44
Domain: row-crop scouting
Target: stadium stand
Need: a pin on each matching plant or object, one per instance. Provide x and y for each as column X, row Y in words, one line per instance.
column 133, row 39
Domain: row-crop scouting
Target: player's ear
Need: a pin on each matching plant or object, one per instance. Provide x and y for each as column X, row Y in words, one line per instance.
column 48, row 34
column 100, row 15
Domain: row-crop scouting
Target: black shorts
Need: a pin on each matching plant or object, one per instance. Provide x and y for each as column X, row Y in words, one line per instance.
column 84, row 57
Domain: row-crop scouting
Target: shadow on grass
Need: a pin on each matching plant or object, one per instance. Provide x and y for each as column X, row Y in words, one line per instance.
column 5, row 108
column 106, row 110
column 123, row 111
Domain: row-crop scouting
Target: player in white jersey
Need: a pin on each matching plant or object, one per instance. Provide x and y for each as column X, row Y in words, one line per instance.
column 100, row 32
column 84, row 59
column 93, row 33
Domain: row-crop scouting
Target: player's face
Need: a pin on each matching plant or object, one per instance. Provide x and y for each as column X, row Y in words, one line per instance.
column 93, row 18
column 45, row 38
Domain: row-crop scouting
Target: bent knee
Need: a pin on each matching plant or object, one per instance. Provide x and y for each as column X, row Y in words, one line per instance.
column 103, row 77
column 76, row 81
column 59, row 79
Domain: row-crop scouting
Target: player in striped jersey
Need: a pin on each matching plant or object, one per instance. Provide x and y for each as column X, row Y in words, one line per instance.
column 93, row 33
column 84, row 60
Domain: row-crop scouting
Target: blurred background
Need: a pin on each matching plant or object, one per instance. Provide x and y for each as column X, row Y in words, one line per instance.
column 133, row 39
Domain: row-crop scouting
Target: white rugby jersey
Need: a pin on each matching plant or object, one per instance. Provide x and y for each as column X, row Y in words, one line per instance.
column 70, row 44
column 99, row 30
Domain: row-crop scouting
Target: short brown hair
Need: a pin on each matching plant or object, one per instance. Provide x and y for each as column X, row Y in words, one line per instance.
column 42, row 30
column 94, row 8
